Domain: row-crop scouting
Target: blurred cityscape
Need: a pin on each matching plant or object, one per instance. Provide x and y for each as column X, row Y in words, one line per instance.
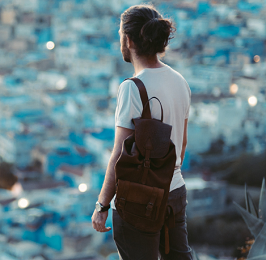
column 60, row 69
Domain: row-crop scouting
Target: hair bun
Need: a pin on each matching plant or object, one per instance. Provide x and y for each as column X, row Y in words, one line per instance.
column 156, row 29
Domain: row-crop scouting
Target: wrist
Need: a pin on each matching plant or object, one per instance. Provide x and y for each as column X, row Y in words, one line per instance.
column 100, row 207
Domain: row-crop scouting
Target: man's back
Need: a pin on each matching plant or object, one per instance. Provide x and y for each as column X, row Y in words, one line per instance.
column 173, row 92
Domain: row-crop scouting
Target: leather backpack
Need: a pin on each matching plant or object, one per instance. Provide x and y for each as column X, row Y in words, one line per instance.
column 144, row 171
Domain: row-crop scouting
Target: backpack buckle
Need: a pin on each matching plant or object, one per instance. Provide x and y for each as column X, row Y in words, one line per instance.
column 147, row 163
column 149, row 209
column 149, row 206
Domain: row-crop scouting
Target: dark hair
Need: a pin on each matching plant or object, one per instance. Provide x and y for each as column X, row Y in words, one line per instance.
column 146, row 27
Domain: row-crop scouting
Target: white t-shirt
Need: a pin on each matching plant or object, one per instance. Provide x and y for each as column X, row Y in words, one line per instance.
column 173, row 91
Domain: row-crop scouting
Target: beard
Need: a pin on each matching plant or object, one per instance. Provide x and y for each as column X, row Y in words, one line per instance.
column 125, row 52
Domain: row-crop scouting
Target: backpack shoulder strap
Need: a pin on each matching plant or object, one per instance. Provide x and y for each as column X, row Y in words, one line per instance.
column 143, row 96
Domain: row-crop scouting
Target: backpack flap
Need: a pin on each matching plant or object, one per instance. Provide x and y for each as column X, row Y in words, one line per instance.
column 154, row 133
column 139, row 200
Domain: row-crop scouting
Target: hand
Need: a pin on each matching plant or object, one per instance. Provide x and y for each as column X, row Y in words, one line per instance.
column 98, row 221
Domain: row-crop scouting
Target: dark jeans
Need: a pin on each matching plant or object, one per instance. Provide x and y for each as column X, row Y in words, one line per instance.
column 133, row 244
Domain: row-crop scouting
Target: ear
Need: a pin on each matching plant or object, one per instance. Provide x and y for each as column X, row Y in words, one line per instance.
column 129, row 42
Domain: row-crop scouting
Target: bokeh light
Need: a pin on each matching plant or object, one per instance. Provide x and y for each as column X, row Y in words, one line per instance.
column 61, row 84
column 83, row 187
column 256, row 58
column 23, row 203
column 233, row 89
column 252, row 100
column 50, row 45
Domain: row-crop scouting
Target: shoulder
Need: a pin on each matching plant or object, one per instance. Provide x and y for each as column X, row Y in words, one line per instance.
column 126, row 83
column 177, row 74
column 127, row 87
column 182, row 79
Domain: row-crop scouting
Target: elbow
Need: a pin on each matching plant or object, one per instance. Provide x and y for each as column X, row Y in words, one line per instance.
column 184, row 145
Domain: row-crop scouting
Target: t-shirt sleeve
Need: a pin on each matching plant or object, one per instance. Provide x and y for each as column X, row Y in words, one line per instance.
column 129, row 105
column 189, row 91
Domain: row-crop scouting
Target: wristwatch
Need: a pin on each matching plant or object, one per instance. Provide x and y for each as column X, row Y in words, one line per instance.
column 100, row 208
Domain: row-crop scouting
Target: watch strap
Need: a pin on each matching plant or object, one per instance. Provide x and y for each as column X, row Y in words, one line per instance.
column 105, row 208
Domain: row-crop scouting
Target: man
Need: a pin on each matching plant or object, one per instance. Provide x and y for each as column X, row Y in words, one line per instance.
column 143, row 34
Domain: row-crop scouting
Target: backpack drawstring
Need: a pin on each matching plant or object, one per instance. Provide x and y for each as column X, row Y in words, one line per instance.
column 169, row 222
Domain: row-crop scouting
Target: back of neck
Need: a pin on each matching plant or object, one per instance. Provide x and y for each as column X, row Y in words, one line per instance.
column 141, row 63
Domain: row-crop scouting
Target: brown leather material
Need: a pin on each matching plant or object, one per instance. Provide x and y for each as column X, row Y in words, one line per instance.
column 123, row 199
column 169, row 217
column 159, row 134
column 147, row 163
column 166, row 242
column 152, row 201
column 169, row 222
column 143, row 96
column 139, row 193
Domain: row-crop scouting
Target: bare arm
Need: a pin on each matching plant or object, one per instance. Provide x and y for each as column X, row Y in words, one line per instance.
column 184, row 141
column 108, row 189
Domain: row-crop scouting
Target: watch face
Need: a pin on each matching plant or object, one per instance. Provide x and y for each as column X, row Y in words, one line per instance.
column 98, row 206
